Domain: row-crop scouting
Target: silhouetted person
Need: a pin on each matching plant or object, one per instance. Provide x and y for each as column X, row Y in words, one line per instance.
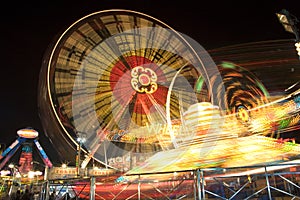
column 26, row 195
column 52, row 196
column 67, row 196
column 17, row 195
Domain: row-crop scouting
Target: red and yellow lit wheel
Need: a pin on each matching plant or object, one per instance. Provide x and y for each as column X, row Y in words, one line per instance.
column 118, row 76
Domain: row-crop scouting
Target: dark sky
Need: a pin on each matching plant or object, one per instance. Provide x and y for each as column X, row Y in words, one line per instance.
column 27, row 28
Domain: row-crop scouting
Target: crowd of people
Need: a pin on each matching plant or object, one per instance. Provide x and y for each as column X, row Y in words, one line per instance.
column 23, row 195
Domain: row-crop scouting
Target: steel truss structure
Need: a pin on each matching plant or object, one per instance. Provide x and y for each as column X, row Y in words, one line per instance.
column 260, row 182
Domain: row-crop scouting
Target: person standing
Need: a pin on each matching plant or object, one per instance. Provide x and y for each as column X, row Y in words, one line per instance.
column 26, row 195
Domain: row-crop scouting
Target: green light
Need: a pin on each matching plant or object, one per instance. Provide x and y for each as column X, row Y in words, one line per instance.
column 199, row 84
column 263, row 89
column 228, row 65
column 284, row 123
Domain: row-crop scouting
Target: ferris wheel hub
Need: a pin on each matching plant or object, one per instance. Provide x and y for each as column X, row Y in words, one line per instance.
column 143, row 80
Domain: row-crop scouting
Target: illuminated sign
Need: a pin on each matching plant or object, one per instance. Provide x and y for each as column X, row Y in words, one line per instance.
column 65, row 171
column 101, row 172
column 71, row 172
column 62, row 173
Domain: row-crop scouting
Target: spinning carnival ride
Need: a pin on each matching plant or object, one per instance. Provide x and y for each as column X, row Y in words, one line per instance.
column 152, row 99
column 25, row 139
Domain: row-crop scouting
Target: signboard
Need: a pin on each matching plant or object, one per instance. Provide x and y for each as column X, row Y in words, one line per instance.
column 62, row 173
column 71, row 172
column 101, row 172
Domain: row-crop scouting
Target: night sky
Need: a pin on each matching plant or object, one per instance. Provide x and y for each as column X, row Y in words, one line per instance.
column 27, row 29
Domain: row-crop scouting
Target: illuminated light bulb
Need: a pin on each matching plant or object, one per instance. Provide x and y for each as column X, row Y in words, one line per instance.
column 18, row 175
column 297, row 45
column 11, row 166
column 31, row 174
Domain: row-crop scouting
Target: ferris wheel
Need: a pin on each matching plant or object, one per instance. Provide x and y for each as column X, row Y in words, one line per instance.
column 123, row 79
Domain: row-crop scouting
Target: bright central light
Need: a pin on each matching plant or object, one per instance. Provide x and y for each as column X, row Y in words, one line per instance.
column 31, row 174
column 64, row 165
column 11, row 166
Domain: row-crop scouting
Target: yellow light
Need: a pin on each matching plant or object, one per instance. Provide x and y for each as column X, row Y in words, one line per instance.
column 38, row 173
column 31, row 174
column 18, row 175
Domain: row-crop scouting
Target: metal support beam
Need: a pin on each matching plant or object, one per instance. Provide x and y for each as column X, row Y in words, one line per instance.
column 92, row 188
